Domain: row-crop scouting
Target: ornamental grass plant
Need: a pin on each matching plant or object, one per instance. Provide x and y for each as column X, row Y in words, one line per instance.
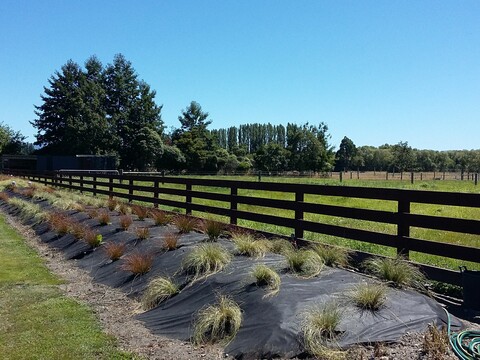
column 396, row 271
column 142, row 233
column 304, row 263
column 206, row 259
column 114, row 250
column 332, row 255
column 125, row 222
column 138, row 263
column 158, row 290
column 213, row 229
column 266, row 276
column 368, row 296
column 170, row 241
column 247, row 245
column 185, row 224
column 161, row 218
column 141, row 211
column 217, row 323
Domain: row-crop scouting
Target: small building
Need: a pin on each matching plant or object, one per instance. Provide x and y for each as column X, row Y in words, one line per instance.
column 48, row 163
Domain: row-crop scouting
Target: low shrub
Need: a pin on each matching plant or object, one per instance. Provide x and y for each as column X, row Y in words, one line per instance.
column 319, row 325
column 369, row 296
column 158, row 290
column 92, row 238
column 114, row 250
column 138, row 263
column 170, row 241
column 140, row 211
column 206, row 259
column 247, row 245
column 103, row 217
column 161, row 218
column 217, row 323
column 142, row 232
column 125, row 222
column 397, row 271
column 332, row 255
column 213, row 229
column 266, row 276
column 304, row 263
column 185, row 224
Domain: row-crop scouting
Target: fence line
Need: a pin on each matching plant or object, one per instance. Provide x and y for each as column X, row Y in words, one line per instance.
column 402, row 218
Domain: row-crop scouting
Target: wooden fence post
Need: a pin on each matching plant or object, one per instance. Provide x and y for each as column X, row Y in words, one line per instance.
column 81, row 184
column 156, row 192
column 233, row 204
column 340, row 174
column 110, row 187
column 130, row 190
column 188, row 199
column 299, row 198
column 94, row 186
column 412, row 177
column 476, row 179
column 403, row 229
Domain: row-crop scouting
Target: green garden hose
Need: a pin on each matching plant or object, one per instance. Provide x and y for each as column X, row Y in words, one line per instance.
column 465, row 344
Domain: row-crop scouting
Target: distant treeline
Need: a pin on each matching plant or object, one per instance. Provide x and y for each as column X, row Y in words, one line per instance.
column 107, row 110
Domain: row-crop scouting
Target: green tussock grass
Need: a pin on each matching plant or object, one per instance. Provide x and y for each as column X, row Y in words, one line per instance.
column 368, row 296
column 304, row 263
column 281, row 246
column 247, row 245
column 29, row 210
column 267, row 277
column 319, row 325
column 397, row 271
column 158, row 290
column 213, row 229
column 34, row 312
column 218, row 323
column 332, row 255
column 206, row 259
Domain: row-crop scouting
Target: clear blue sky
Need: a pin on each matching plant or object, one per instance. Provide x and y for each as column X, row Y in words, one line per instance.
column 378, row 71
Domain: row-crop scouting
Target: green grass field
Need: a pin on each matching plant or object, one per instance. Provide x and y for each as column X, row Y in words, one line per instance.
column 36, row 320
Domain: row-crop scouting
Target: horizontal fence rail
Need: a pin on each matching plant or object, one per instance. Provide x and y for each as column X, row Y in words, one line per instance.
column 294, row 201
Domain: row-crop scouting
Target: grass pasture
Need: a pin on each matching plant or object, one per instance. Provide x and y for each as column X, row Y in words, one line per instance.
column 37, row 321
column 426, row 209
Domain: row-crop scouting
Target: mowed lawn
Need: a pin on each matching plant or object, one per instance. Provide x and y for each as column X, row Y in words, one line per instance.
column 36, row 320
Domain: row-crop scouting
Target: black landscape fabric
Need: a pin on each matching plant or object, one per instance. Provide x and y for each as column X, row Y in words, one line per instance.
column 271, row 325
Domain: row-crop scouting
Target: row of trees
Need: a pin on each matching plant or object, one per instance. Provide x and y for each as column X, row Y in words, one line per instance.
column 108, row 110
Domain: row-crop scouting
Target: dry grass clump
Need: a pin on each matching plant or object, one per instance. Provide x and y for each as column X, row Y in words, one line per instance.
column 332, row 255
column 159, row 290
column 142, row 232
column 213, row 229
column 281, row 246
column 138, row 263
column 318, row 326
column 170, row 241
column 369, row 296
column 304, row 263
column 206, row 259
column 125, row 222
column 140, row 211
column 268, row 277
column 185, row 224
column 77, row 230
column 92, row 238
column 124, row 209
column 112, row 204
column 4, row 197
column 397, row 271
column 103, row 217
column 92, row 213
column 114, row 251
column 161, row 218
column 217, row 323
column 435, row 342
column 28, row 192
column 59, row 222
column 247, row 245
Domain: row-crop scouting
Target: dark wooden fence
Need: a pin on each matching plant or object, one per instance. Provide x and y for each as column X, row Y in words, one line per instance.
column 123, row 186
